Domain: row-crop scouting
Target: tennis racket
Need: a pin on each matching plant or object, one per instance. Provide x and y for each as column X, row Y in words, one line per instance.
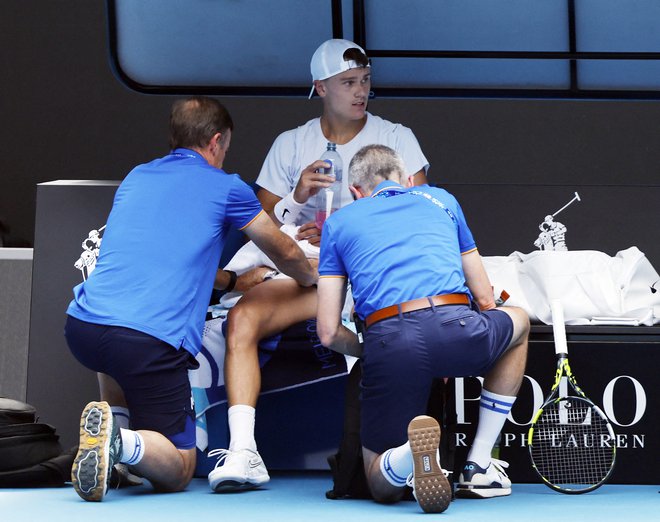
column 571, row 443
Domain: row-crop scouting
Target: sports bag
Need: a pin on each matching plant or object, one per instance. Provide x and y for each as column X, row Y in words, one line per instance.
column 30, row 452
column 15, row 412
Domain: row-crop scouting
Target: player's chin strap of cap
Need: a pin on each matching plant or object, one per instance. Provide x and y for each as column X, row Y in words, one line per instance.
column 288, row 209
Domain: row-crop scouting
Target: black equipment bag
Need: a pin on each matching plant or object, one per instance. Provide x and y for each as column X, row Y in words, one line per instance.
column 24, row 445
column 16, row 412
column 30, row 452
column 347, row 465
column 53, row 472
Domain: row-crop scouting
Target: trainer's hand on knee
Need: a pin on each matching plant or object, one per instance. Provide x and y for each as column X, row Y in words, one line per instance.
column 251, row 278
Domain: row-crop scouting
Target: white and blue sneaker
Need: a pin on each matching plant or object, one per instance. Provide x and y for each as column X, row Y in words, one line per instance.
column 99, row 449
column 477, row 482
column 237, row 470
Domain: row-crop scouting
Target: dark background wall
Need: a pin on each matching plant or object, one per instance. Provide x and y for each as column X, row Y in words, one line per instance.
column 65, row 116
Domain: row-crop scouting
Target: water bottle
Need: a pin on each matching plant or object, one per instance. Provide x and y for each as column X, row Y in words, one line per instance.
column 329, row 199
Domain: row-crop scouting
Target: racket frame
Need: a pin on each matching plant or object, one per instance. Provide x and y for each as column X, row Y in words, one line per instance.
column 564, row 370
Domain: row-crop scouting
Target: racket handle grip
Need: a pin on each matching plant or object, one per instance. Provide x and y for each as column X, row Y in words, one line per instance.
column 558, row 327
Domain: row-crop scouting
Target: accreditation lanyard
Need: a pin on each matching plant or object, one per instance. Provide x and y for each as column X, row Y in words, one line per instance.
column 183, row 155
column 396, row 191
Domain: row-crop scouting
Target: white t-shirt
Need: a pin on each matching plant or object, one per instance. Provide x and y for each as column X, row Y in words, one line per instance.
column 295, row 149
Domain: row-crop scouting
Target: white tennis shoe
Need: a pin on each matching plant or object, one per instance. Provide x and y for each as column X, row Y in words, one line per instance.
column 237, row 470
column 477, row 482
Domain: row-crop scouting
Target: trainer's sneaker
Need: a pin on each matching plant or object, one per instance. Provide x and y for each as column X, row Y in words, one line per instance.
column 477, row 482
column 237, row 470
column 98, row 451
column 429, row 481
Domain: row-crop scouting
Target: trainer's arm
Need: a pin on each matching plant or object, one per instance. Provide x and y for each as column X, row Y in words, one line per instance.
column 285, row 253
column 477, row 280
column 332, row 333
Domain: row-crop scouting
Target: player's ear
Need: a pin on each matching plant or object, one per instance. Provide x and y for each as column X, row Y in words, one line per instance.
column 355, row 190
column 320, row 88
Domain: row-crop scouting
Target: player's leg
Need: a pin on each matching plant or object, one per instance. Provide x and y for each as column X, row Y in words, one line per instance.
column 267, row 309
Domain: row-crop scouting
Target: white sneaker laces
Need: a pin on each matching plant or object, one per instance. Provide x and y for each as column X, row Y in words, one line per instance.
column 499, row 466
column 221, row 453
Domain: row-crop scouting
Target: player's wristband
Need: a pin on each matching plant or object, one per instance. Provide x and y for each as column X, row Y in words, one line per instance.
column 232, row 281
column 288, row 209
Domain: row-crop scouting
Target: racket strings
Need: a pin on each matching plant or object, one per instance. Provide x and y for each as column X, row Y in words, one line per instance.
column 572, row 445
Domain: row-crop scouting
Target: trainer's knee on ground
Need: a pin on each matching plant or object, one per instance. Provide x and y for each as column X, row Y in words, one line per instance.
column 172, row 486
column 384, row 493
column 178, row 481
column 385, row 498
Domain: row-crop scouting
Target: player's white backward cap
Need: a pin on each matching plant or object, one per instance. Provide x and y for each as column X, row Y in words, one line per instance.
column 328, row 60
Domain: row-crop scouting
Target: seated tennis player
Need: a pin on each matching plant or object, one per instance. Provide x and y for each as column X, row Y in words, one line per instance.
column 288, row 181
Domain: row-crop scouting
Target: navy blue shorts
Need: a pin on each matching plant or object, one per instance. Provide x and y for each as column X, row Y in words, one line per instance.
column 403, row 354
column 152, row 374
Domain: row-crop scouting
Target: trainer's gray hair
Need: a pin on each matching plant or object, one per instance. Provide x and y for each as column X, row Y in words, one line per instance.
column 373, row 164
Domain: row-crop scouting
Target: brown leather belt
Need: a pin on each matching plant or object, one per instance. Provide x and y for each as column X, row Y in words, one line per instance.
column 416, row 304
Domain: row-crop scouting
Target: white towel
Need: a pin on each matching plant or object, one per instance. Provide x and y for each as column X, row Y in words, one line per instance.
column 249, row 256
column 594, row 288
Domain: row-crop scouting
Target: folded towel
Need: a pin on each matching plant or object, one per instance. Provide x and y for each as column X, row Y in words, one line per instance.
column 249, row 256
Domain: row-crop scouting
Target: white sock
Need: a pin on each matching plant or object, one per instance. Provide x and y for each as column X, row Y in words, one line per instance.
column 493, row 410
column 396, row 464
column 121, row 416
column 132, row 447
column 241, row 427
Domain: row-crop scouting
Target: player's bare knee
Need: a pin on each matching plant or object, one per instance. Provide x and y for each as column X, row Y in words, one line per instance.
column 240, row 323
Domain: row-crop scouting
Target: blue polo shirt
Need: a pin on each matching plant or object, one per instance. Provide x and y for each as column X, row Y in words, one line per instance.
column 161, row 248
column 399, row 244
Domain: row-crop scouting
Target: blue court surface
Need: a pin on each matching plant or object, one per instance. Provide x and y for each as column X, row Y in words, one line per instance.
column 300, row 496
